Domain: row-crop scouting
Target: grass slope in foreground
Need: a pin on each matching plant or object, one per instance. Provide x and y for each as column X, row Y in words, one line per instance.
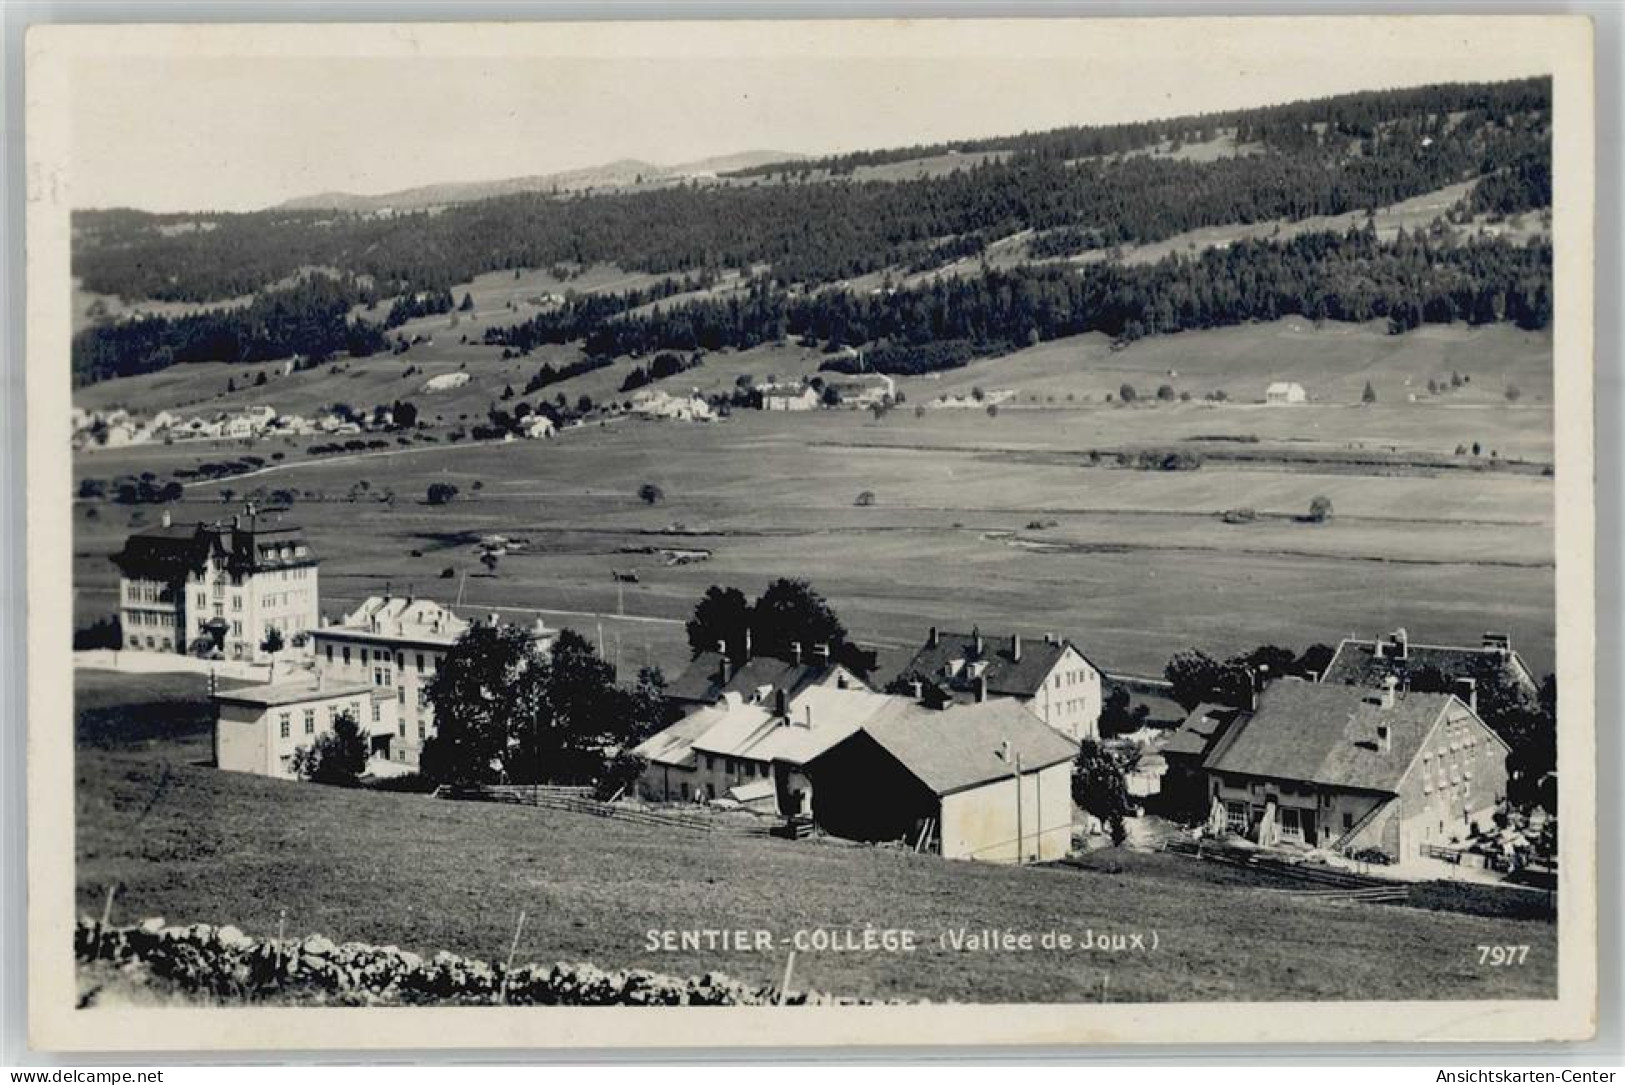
column 196, row 845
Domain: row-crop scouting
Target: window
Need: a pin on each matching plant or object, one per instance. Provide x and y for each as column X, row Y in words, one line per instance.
column 310, row 721
column 330, row 653
column 346, row 655
column 1348, row 821
column 283, row 723
column 1235, row 817
column 710, row 763
column 236, row 629
column 420, row 732
column 400, row 660
column 377, row 711
column 401, row 727
column 363, row 657
column 420, row 662
column 236, row 602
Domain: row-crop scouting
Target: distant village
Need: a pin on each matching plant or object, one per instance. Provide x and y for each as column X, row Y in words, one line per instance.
column 974, row 750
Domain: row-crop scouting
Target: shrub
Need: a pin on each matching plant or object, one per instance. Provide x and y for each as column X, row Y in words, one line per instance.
column 651, row 494
column 1239, row 516
column 1127, row 393
column 1166, row 393
column 1320, row 509
column 441, row 493
column 865, row 499
column 337, row 757
column 447, row 573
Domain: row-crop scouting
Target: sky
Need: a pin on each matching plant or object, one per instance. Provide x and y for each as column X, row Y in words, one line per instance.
column 245, row 122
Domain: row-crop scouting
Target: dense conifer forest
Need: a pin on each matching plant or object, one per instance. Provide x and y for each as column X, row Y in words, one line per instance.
column 802, row 230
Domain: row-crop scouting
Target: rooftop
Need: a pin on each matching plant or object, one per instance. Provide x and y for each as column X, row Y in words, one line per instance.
column 1315, row 733
column 1368, row 662
column 292, row 690
column 960, row 747
column 703, row 682
column 1012, row 666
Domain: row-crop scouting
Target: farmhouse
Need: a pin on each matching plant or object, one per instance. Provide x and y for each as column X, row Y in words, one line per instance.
column 658, row 403
column 1282, row 393
column 1428, row 666
column 788, row 397
column 219, row 586
column 983, row 781
column 1050, row 677
column 1348, row 769
column 395, row 644
column 712, row 675
column 863, row 389
column 258, row 728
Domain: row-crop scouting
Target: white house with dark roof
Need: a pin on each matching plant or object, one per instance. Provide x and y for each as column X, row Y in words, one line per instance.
column 1349, row 768
column 1049, row 676
column 220, row 586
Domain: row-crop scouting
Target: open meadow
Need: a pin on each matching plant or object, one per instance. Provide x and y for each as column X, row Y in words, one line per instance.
column 1005, row 522
column 193, row 844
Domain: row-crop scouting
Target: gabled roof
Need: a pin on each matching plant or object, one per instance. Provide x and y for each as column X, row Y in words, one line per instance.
column 956, row 748
column 1315, row 733
column 243, row 544
column 675, row 744
column 702, row 682
column 1200, row 730
column 1006, row 675
column 1360, row 663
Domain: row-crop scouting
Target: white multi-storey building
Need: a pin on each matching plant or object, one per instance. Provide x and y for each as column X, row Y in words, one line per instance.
column 395, row 644
column 217, row 587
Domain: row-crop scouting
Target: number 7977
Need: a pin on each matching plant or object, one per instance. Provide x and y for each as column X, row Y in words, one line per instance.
column 1502, row 956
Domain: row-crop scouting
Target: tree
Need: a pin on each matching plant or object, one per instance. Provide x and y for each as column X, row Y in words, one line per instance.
column 1315, row 659
column 1166, row 393
column 1369, row 395
column 336, row 757
column 790, row 612
column 491, row 685
column 1320, row 509
column 441, row 493
column 722, row 616
column 1097, row 786
column 468, row 303
column 489, row 559
column 865, row 499
column 1127, row 394
column 1197, row 677
column 651, row 494
column 273, row 643
column 1513, row 393
column 993, row 410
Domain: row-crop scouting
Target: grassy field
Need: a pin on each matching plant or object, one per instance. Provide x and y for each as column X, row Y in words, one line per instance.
column 194, row 844
column 997, row 521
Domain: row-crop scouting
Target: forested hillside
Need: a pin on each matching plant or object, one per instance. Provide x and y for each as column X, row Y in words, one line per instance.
column 801, row 232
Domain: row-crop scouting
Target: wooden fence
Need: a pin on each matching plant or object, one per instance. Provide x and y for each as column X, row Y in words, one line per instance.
column 579, row 800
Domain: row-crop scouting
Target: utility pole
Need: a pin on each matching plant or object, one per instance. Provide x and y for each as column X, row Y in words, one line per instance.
column 1021, row 841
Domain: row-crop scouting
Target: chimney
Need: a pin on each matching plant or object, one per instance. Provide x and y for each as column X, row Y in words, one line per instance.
column 1499, row 643
column 823, row 653
column 1015, row 648
column 1466, row 691
column 167, row 519
column 1049, row 638
column 981, row 688
column 808, row 713
column 780, row 703
column 1401, row 644
column 795, row 652
column 236, row 521
column 918, row 687
column 1384, row 741
column 747, row 642
column 976, row 640
column 1390, row 690
column 931, row 638
column 496, row 619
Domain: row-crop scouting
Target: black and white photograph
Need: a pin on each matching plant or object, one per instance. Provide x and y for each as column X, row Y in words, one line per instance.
column 938, row 531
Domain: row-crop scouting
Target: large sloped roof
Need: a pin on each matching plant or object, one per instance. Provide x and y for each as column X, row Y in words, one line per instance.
column 1006, row 675
column 1316, row 733
column 702, row 682
column 1360, row 663
column 1200, row 729
column 956, row 748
